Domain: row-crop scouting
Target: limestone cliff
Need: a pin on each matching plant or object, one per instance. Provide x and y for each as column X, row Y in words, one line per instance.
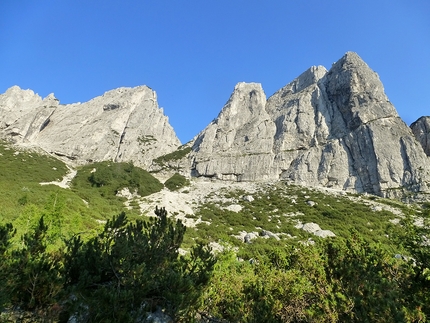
column 124, row 124
column 331, row 128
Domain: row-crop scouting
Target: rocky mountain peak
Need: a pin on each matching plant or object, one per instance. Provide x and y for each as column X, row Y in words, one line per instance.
column 246, row 101
column 124, row 124
column 331, row 128
column 50, row 99
column 357, row 92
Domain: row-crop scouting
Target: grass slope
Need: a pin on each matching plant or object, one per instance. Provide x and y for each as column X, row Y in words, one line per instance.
column 92, row 195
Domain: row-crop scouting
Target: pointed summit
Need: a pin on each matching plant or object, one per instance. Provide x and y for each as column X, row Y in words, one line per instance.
column 352, row 58
column 243, row 127
column 355, row 89
column 246, row 101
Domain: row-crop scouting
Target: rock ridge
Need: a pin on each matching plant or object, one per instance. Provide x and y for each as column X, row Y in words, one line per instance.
column 124, row 124
column 332, row 128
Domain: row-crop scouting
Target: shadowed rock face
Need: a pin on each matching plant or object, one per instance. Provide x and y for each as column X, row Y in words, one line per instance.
column 331, row 128
column 421, row 131
column 125, row 124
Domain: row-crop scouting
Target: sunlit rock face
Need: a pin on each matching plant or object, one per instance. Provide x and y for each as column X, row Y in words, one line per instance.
column 332, row 128
column 124, row 124
column 237, row 145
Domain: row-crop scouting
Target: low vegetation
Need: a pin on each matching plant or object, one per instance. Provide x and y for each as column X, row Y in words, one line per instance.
column 77, row 253
column 109, row 178
column 119, row 275
column 279, row 208
column 176, row 182
column 176, row 155
column 131, row 269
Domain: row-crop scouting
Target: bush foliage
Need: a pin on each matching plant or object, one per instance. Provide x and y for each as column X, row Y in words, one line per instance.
column 131, row 269
column 57, row 263
column 120, row 275
column 176, row 182
column 109, row 178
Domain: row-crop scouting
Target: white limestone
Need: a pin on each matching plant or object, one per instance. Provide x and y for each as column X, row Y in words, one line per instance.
column 125, row 124
column 334, row 129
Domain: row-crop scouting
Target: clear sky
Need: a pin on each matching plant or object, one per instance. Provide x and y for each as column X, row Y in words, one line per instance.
column 193, row 52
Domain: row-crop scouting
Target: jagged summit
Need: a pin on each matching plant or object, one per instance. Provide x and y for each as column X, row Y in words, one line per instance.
column 328, row 128
column 357, row 92
column 124, row 124
column 331, row 128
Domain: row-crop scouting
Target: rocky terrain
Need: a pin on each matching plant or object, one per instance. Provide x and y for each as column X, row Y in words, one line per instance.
column 332, row 132
column 125, row 124
column 327, row 128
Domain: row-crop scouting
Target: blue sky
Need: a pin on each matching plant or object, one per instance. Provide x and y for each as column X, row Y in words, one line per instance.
column 192, row 53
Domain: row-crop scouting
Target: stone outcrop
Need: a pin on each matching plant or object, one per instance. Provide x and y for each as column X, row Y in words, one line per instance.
column 124, row 124
column 421, row 130
column 331, row 128
column 237, row 144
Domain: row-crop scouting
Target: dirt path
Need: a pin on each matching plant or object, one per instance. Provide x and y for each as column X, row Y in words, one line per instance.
column 65, row 182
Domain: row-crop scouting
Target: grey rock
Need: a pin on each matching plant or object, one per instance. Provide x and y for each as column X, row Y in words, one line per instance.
column 269, row 234
column 310, row 203
column 236, row 145
column 315, row 230
column 124, row 124
column 158, row 317
column 248, row 198
column 311, row 227
column 250, row 236
column 234, row 208
column 324, row 233
column 421, row 131
column 331, row 128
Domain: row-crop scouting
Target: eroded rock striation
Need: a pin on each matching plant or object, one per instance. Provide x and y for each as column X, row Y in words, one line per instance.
column 124, row 124
column 331, row 128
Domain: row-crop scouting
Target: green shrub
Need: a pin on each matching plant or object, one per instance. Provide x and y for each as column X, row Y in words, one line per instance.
column 34, row 276
column 133, row 268
column 99, row 183
column 176, row 182
column 176, row 155
column 6, row 233
column 338, row 280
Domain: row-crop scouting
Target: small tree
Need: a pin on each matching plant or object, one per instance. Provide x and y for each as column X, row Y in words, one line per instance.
column 6, row 233
column 34, row 274
column 133, row 268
